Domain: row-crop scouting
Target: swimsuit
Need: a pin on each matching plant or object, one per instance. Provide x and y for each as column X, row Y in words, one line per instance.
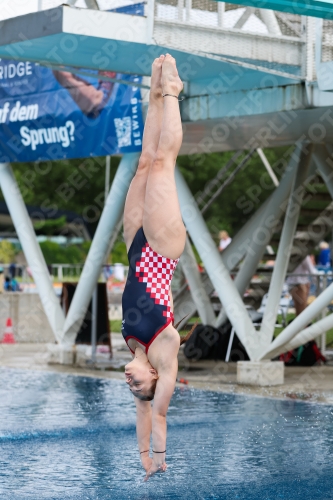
column 146, row 299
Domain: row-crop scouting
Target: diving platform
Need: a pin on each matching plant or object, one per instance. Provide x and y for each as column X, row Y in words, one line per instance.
column 250, row 77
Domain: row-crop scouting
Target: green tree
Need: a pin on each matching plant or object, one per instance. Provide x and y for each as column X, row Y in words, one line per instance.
column 7, row 252
column 57, row 254
column 240, row 199
column 50, row 226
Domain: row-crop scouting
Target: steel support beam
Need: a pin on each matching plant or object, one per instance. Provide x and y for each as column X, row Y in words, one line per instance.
column 110, row 217
column 313, row 331
column 267, row 166
column 218, row 273
column 198, row 292
column 263, row 231
column 244, row 17
column 268, row 17
column 33, row 254
column 324, row 163
column 300, row 322
column 284, row 251
column 234, row 252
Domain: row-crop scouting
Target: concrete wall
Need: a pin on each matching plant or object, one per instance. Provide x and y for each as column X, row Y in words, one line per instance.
column 29, row 321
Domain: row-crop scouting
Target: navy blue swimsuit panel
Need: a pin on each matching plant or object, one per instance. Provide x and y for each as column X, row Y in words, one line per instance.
column 146, row 300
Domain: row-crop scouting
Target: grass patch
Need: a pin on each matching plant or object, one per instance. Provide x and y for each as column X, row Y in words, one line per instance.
column 115, row 325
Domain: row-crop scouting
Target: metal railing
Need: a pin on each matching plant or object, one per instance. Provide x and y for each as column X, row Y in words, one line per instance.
column 60, row 273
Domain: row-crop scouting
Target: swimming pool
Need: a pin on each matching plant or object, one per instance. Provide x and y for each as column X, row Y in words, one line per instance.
column 67, row 437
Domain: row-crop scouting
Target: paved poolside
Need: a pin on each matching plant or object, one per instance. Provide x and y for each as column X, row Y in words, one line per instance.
column 305, row 383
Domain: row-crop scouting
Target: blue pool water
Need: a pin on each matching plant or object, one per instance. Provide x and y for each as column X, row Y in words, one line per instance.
column 65, row 437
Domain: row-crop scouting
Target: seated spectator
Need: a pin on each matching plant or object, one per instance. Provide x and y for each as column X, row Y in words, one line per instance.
column 299, row 283
column 225, row 240
column 11, row 285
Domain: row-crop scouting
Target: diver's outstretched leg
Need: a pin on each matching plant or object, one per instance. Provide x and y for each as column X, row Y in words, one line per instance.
column 162, row 221
column 134, row 205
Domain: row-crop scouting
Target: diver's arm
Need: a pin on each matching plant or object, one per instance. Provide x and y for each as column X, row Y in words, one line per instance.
column 143, row 430
column 164, row 390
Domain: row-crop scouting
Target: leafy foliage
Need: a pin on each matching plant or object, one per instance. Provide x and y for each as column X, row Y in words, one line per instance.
column 57, row 254
column 7, row 252
column 240, row 199
column 50, row 226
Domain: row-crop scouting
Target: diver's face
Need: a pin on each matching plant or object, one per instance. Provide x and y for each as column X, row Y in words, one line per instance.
column 139, row 377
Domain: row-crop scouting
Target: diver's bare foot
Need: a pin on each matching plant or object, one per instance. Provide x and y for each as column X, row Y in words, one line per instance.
column 171, row 83
column 156, row 74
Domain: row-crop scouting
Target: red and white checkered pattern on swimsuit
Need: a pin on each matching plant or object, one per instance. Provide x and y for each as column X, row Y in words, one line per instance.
column 156, row 271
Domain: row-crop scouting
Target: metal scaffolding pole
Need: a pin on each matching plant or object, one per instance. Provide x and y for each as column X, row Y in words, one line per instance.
column 198, row 292
column 31, row 249
column 215, row 268
column 239, row 246
column 324, row 163
column 230, row 258
column 284, row 250
column 301, row 321
column 313, row 331
column 100, row 244
column 263, row 232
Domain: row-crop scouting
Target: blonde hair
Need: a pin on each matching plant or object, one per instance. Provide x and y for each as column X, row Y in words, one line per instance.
column 323, row 245
column 224, row 234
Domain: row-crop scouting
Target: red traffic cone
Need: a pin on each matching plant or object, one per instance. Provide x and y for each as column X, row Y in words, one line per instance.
column 8, row 337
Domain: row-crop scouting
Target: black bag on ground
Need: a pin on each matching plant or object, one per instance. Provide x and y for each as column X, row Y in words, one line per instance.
column 207, row 342
column 305, row 355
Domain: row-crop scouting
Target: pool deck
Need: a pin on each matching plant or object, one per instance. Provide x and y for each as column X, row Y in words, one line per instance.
column 313, row 383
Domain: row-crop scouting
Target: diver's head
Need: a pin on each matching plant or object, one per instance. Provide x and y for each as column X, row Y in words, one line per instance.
column 141, row 377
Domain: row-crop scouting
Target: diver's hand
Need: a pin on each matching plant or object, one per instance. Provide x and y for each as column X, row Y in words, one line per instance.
column 155, row 468
column 146, row 462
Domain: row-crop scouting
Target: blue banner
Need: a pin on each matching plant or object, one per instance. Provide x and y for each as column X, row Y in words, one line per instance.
column 49, row 115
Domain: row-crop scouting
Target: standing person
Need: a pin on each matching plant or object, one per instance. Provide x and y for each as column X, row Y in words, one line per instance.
column 324, row 258
column 299, row 283
column 225, row 240
column 2, row 280
column 155, row 238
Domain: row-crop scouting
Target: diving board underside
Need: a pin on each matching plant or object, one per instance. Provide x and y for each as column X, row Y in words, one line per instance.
column 122, row 43
column 229, row 106
column 314, row 8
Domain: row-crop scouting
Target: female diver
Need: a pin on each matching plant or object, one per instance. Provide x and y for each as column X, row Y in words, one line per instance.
column 155, row 237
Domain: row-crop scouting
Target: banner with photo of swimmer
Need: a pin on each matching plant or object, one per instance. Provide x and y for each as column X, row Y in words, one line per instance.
column 50, row 115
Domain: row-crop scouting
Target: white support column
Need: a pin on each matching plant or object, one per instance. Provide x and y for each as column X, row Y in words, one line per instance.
column 285, row 245
column 188, row 5
column 244, row 17
column 181, row 10
column 268, row 167
column 324, row 163
column 234, row 252
column 94, row 310
column 300, row 322
column 107, row 176
column 313, row 331
column 271, row 22
column 150, row 13
column 215, row 268
column 198, row 292
column 263, row 231
column 220, row 14
column 31, row 249
column 230, row 258
column 310, row 40
column 92, row 4
column 100, row 244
